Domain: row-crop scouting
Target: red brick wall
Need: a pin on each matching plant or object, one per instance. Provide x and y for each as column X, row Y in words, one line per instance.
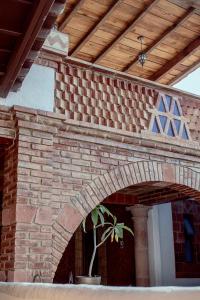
column 34, row 209
column 185, row 269
column 62, row 171
column 8, row 213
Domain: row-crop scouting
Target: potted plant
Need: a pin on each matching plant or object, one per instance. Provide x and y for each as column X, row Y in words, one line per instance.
column 102, row 217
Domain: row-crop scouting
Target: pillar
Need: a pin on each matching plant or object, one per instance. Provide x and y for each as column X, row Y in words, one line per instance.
column 139, row 216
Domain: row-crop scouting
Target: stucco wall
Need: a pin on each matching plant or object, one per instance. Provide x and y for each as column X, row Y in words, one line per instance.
column 37, row 90
column 13, row 291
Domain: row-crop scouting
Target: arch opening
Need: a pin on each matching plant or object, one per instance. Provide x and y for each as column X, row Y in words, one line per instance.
column 75, row 260
column 151, row 193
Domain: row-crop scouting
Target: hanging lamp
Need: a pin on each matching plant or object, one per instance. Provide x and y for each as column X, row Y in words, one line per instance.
column 142, row 56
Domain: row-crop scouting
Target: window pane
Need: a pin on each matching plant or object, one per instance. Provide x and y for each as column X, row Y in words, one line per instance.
column 185, row 134
column 177, row 125
column 162, row 106
column 169, row 101
column 176, row 111
column 163, row 121
column 170, row 130
column 155, row 127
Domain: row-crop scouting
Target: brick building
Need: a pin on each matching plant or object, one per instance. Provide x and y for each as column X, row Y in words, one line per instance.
column 77, row 134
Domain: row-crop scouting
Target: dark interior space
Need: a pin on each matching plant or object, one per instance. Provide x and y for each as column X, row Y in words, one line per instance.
column 120, row 256
column 66, row 266
column 117, row 258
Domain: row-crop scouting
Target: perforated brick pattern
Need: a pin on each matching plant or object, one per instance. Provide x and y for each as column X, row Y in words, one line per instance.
column 91, row 96
column 85, row 94
column 191, row 109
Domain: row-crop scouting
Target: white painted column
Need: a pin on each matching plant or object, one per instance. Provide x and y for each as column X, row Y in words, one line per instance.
column 161, row 249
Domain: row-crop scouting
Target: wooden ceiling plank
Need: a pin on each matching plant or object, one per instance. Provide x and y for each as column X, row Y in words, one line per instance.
column 182, row 75
column 71, row 14
column 18, row 57
column 10, row 32
column 88, row 35
column 123, row 34
column 3, row 50
column 172, row 28
column 186, row 3
column 24, row 2
column 192, row 47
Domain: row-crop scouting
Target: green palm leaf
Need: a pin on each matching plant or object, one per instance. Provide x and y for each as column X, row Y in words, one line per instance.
column 95, row 216
column 106, row 232
column 128, row 229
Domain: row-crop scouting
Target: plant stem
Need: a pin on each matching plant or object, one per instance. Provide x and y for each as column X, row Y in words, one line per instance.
column 100, row 225
column 94, row 251
column 95, row 248
column 104, row 240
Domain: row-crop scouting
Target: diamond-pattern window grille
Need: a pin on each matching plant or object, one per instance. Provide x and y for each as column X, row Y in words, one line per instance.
column 163, row 121
column 155, row 126
column 161, row 105
column 168, row 120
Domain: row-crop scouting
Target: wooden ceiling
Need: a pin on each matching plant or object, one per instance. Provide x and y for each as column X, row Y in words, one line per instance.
column 105, row 32
column 151, row 193
column 24, row 25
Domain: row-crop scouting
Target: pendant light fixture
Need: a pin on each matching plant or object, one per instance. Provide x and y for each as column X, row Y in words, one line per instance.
column 142, row 56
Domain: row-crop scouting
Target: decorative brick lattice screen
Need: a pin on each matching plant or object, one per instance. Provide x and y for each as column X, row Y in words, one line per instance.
column 191, row 109
column 97, row 98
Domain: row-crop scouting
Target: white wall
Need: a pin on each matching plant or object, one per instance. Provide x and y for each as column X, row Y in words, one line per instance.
column 161, row 249
column 37, row 90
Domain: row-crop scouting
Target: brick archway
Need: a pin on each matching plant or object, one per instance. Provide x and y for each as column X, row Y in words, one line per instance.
column 184, row 179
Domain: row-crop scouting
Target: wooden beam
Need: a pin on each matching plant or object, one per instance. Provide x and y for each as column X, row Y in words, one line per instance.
column 3, row 50
column 10, row 32
column 24, row 45
column 192, row 47
column 169, row 195
column 124, row 32
column 89, row 34
column 24, row 2
column 187, row 3
column 182, row 75
column 71, row 14
column 155, row 44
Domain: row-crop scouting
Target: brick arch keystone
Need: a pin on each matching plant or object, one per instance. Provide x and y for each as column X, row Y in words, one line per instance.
column 183, row 178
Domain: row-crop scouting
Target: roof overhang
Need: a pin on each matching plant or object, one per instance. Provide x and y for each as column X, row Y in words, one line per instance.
column 105, row 33
column 24, row 26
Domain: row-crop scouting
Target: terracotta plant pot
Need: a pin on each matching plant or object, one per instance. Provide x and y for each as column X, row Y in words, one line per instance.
column 88, row 280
